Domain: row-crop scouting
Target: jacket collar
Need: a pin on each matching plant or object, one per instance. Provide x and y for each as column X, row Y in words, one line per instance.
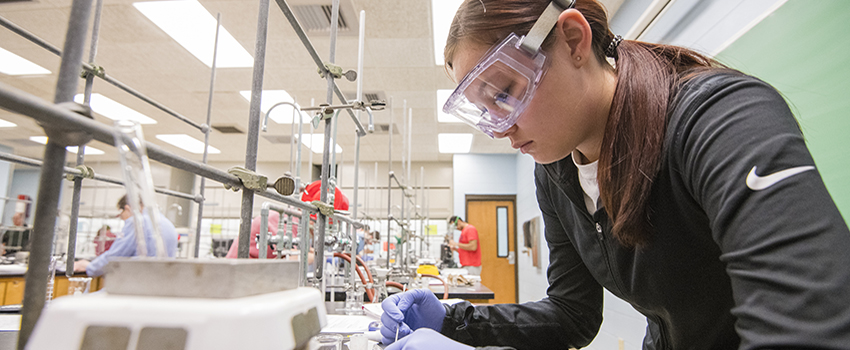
column 564, row 175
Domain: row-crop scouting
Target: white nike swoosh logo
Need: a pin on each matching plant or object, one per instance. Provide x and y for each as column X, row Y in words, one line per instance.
column 758, row 183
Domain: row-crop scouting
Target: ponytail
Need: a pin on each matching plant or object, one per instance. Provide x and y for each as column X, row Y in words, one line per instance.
column 630, row 159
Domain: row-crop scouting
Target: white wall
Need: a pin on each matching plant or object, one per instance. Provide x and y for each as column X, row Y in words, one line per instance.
column 532, row 280
column 24, row 181
column 491, row 174
column 5, row 183
column 620, row 320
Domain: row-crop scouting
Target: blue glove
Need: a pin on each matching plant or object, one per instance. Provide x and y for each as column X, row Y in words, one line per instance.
column 426, row 339
column 412, row 310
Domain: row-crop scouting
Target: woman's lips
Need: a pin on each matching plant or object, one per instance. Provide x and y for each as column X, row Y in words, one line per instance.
column 524, row 148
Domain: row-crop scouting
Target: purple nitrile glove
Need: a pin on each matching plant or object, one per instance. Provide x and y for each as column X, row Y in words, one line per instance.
column 427, row 339
column 409, row 311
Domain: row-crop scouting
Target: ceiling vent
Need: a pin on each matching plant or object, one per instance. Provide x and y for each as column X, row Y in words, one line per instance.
column 384, row 129
column 315, row 16
column 228, row 129
column 278, row 139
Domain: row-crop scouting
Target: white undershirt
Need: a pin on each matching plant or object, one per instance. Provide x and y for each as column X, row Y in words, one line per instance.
column 587, row 178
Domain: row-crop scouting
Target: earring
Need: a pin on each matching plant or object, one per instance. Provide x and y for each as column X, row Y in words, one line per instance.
column 578, row 58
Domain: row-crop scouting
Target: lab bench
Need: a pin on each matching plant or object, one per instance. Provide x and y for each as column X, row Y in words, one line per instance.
column 12, row 285
column 476, row 293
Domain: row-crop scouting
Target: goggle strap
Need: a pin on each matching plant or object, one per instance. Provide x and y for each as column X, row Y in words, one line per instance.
column 532, row 41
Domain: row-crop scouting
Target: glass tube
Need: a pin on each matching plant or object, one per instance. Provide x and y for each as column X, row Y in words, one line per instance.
column 130, row 143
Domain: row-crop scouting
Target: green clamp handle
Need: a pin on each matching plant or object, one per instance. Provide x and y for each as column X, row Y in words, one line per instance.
column 324, row 208
column 334, row 70
column 96, row 70
column 250, row 179
column 86, row 172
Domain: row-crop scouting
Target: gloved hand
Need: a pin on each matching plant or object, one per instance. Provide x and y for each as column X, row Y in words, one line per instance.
column 426, row 339
column 412, row 310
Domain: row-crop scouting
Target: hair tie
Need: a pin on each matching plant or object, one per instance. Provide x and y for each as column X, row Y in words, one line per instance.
column 611, row 51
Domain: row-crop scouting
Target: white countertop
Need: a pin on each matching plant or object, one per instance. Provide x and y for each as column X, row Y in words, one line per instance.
column 10, row 323
column 13, row 269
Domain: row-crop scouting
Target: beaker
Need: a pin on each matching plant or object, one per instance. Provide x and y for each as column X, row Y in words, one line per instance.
column 329, row 342
column 78, row 285
column 354, row 302
column 358, row 342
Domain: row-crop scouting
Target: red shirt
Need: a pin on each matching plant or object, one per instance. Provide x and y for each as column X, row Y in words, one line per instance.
column 469, row 257
column 103, row 241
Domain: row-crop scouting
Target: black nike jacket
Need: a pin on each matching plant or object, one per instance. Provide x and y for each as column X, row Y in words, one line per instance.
column 748, row 250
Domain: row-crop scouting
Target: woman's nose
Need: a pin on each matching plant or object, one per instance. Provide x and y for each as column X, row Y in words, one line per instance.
column 506, row 133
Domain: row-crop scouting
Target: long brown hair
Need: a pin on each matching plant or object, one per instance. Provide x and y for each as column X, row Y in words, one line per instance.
column 647, row 78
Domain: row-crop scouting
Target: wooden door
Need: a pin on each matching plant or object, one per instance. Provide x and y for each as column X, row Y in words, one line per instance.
column 496, row 224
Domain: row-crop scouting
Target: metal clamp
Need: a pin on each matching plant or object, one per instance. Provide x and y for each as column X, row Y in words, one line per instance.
column 69, row 134
column 324, row 208
column 250, row 179
column 95, row 70
column 86, row 172
column 232, row 188
column 375, row 105
column 336, row 72
column 324, row 112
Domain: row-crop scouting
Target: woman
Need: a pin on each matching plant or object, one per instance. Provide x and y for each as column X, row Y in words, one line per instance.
column 706, row 212
column 253, row 248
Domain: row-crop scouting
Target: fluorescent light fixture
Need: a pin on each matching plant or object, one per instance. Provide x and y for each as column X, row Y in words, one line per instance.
column 90, row 151
column 442, row 117
column 12, row 64
column 187, row 143
column 442, row 13
column 454, row 143
column 316, row 143
column 113, row 110
column 193, row 27
column 7, row 124
column 281, row 114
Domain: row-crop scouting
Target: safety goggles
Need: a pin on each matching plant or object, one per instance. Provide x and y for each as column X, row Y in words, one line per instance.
column 495, row 93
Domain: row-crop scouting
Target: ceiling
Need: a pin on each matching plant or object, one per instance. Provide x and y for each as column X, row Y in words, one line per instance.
column 399, row 61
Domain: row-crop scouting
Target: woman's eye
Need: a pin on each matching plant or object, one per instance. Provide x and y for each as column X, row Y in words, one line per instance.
column 502, row 97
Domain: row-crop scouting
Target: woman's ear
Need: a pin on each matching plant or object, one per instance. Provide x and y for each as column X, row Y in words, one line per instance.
column 573, row 30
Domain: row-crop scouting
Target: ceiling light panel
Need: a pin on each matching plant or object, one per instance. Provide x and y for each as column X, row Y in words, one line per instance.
column 12, row 64
column 90, row 151
column 281, row 114
column 454, row 143
column 316, row 143
column 193, row 27
column 7, row 124
column 442, row 117
column 113, row 110
column 187, row 143
column 442, row 13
